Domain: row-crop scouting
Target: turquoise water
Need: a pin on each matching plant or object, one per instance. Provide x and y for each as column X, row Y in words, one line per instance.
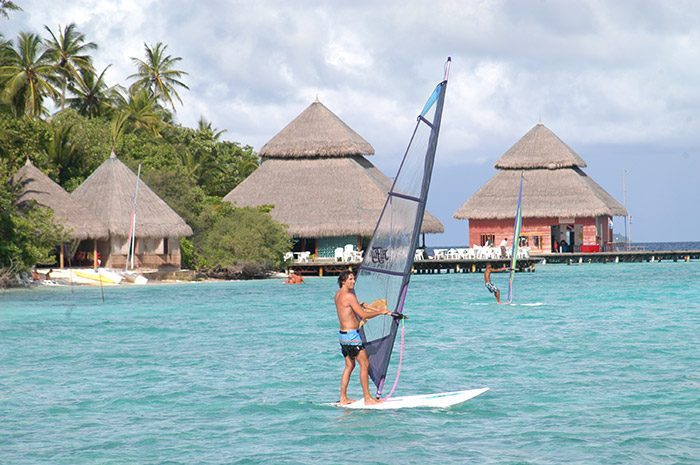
column 606, row 370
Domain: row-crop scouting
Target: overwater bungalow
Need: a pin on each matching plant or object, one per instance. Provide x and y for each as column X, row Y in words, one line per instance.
column 109, row 194
column 78, row 221
column 563, row 210
column 315, row 174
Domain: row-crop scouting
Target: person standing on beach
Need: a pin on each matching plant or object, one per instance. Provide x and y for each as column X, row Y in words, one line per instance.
column 489, row 285
column 504, row 247
column 350, row 314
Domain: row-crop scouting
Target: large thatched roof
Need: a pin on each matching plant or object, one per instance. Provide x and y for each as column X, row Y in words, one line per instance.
column 567, row 192
column 554, row 185
column 540, row 148
column 316, row 132
column 77, row 219
column 323, row 197
column 109, row 193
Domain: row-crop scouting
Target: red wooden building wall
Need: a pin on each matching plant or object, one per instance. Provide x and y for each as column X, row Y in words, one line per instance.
column 586, row 235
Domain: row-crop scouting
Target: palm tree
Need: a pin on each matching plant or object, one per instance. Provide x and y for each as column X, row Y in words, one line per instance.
column 205, row 128
column 27, row 73
column 138, row 111
column 69, row 52
column 92, row 96
column 156, row 74
column 62, row 152
column 7, row 5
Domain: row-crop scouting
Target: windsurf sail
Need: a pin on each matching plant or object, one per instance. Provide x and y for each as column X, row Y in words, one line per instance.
column 516, row 239
column 387, row 263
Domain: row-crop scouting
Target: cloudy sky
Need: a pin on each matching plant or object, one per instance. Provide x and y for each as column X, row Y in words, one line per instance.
column 618, row 81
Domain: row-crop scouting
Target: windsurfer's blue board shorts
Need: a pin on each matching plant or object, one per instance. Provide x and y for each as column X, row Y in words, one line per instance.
column 492, row 288
column 350, row 343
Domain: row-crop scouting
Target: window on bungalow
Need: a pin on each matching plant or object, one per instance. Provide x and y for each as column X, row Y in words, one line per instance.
column 487, row 238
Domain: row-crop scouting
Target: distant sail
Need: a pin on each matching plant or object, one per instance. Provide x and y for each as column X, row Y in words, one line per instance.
column 516, row 239
column 385, row 271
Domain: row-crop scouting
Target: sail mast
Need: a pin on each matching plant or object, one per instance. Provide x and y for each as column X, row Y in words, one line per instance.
column 516, row 239
column 132, row 229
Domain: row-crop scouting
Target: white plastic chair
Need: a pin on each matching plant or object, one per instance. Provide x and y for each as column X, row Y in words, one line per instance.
column 339, row 254
column 288, row 256
column 419, row 254
column 348, row 253
column 524, row 252
column 304, row 256
column 486, row 253
column 465, row 254
column 476, row 250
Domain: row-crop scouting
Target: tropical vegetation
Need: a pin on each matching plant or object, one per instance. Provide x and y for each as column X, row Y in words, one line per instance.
column 61, row 112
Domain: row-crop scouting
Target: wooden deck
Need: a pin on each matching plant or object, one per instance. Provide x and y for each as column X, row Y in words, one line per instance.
column 332, row 268
column 630, row 256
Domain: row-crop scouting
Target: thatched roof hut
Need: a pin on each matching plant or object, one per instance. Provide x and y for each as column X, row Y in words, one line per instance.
column 77, row 219
column 540, row 148
column 554, row 184
column 315, row 174
column 109, row 192
column 317, row 132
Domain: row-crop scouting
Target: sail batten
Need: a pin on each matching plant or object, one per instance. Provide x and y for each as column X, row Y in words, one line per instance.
column 404, row 196
column 385, row 271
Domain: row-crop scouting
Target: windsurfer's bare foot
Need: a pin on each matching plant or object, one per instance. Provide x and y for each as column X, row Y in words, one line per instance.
column 345, row 401
column 372, row 401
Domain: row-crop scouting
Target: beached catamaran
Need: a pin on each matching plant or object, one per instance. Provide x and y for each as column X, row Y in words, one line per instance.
column 516, row 240
column 383, row 276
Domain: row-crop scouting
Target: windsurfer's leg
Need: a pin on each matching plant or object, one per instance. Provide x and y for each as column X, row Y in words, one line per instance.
column 345, row 380
column 364, row 377
column 498, row 296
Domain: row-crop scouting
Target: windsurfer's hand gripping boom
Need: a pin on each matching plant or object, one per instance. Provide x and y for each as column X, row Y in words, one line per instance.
column 379, row 307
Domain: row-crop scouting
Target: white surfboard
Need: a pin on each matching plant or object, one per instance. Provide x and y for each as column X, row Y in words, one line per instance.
column 439, row 400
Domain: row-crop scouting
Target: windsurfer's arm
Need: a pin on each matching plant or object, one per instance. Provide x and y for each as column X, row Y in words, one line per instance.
column 365, row 311
column 383, row 311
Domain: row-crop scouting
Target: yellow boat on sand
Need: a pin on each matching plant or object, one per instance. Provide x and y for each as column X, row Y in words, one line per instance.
column 99, row 276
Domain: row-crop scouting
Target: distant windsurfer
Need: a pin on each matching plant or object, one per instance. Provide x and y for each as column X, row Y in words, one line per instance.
column 489, row 285
column 351, row 313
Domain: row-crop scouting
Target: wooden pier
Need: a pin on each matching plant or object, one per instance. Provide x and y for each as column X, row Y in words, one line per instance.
column 330, row 267
column 426, row 266
column 630, row 256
